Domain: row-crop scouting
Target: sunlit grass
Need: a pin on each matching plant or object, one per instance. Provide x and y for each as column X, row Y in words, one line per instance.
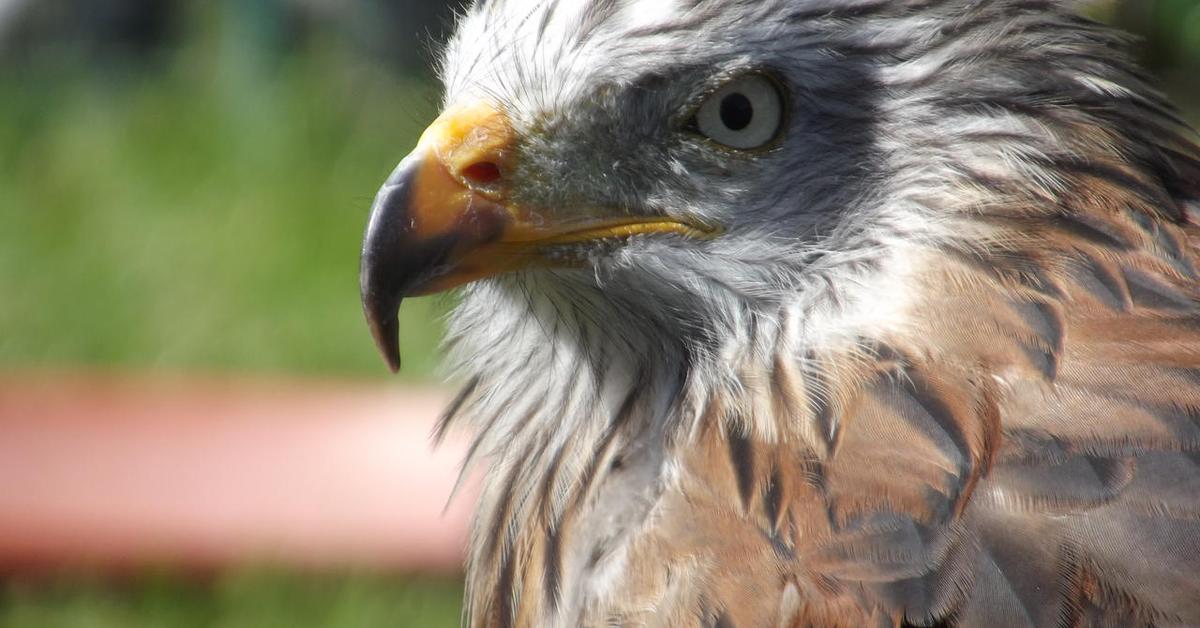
column 202, row 217
column 242, row 600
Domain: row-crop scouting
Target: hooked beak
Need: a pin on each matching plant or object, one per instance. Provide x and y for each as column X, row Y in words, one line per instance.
column 445, row 218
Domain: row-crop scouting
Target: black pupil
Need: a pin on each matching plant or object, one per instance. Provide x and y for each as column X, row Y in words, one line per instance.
column 736, row 112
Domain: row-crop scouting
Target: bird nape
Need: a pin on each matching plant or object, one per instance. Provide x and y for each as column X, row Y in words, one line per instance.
column 811, row 313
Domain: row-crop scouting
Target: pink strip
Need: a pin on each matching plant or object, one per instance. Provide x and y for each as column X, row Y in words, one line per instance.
column 126, row 472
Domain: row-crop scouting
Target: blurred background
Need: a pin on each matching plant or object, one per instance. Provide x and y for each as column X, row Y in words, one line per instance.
column 194, row 427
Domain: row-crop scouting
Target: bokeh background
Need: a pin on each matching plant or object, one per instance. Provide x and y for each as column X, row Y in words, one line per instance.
column 183, row 187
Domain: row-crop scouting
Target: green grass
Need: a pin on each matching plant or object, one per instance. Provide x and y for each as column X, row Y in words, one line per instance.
column 207, row 217
column 245, row 600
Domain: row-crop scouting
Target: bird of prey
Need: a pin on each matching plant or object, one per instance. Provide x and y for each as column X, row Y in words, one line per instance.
column 811, row 313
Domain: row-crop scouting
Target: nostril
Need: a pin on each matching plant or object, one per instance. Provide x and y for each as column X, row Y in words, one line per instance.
column 482, row 173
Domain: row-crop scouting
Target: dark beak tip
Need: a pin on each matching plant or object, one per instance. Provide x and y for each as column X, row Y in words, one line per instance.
column 391, row 355
column 394, row 363
column 381, row 308
column 385, row 329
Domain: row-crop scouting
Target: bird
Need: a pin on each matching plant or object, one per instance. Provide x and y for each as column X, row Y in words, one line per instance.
column 809, row 313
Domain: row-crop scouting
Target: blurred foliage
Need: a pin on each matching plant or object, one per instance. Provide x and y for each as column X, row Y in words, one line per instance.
column 1171, row 29
column 1168, row 33
column 244, row 600
column 207, row 216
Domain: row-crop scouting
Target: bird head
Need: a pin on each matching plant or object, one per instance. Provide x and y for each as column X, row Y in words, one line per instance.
column 669, row 167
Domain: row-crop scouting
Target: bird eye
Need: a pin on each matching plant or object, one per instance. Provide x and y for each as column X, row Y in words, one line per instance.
column 746, row 113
